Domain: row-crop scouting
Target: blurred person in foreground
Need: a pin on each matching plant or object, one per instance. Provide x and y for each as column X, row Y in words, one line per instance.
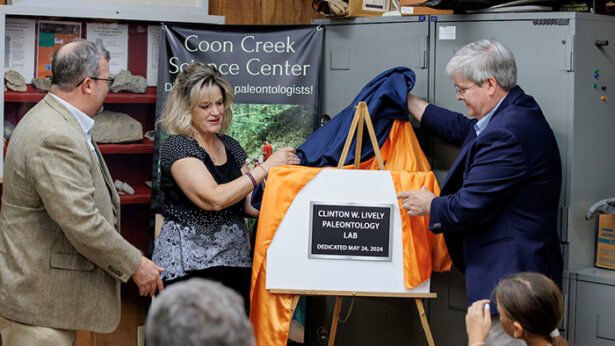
column 62, row 257
column 530, row 306
column 198, row 312
column 499, row 203
column 206, row 185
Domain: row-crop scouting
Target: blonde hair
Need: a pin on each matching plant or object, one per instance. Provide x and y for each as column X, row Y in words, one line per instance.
column 192, row 84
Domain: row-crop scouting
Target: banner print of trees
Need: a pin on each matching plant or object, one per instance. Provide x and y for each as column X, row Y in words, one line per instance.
column 280, row 125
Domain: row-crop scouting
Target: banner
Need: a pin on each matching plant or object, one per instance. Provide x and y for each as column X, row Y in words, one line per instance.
column 274, row 73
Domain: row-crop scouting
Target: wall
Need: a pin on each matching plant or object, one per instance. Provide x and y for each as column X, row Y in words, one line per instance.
column 264, row 12
column 182, row 3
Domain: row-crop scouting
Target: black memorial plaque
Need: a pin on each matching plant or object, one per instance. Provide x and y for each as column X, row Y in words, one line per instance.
column 351, row 231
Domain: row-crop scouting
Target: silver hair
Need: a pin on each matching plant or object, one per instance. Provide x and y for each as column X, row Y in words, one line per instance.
column 75, row 61
column 482, row 59
column 198, row 312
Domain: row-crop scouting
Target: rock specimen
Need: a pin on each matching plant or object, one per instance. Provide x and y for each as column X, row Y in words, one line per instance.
column 124, row 187
column 14, row 81
column 150, row 135
column 125, row 81
column 8, row 129
column 114, row 127
column 41, row 84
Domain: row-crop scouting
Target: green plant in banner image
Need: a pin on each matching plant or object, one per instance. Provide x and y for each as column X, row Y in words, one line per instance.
column 281, row 125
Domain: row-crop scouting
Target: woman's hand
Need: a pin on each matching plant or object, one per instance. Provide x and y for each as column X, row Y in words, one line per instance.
column 478, row 321
column 284, row 156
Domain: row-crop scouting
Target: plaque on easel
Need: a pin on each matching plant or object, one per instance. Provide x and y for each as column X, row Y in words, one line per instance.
column 342, row 236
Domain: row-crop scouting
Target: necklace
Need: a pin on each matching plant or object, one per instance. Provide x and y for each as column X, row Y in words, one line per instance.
column 212, row 157
column 214, row 152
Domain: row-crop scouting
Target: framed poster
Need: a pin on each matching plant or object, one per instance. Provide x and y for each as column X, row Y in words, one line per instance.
column 153, row 49
column 51, row 35
column 19, row 37
column 114, row 37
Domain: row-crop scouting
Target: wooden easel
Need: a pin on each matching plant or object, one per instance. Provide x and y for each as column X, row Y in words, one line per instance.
column 362, row 115
column 338, row 306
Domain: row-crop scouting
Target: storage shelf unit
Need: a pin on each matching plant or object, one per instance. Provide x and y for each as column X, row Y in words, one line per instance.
column 143, row 194
column 100, row 11
column 32, row 95
column 144, row 147
column 130, row 162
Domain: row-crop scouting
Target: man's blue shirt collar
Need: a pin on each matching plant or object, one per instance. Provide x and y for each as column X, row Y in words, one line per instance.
column 482, row 123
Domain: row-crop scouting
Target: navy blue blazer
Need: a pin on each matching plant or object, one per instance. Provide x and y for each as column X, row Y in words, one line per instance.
column 498, row 206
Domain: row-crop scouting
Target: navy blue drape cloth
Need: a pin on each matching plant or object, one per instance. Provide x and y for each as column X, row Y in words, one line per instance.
column 386, row 99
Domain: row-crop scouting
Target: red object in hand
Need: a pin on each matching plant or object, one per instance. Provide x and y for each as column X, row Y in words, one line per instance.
column 267, row 151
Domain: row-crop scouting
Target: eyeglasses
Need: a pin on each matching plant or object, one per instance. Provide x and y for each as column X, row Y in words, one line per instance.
column 108, row 80
column 462, row 91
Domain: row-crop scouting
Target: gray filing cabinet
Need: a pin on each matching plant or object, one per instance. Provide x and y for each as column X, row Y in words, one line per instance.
column 592, row 291
column 563, row 67
column 357, row 50
column 557, row 58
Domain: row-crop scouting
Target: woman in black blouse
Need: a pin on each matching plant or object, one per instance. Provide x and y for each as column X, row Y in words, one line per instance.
column 206, row 185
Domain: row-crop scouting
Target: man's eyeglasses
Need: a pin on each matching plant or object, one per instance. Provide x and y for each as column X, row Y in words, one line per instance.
column 108, row 80
column 462, row 91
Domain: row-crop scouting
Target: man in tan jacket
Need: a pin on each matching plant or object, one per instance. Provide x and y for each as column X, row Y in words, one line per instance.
column 62, row 257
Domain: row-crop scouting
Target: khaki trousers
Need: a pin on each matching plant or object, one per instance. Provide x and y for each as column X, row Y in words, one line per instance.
column 18, row 334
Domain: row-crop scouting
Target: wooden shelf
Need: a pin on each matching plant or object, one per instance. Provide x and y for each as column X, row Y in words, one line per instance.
column 148, row 97
column 143, row 147
column 32, row 95
column 143, row 195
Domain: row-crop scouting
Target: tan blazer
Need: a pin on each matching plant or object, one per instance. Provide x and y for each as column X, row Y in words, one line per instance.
column 61, row 254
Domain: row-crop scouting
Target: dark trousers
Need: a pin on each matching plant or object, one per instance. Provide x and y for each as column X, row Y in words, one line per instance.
column 237, row 278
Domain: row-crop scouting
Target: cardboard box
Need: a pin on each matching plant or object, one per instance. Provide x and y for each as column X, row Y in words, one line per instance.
column 421, row 10
column 605, row 246
column 366, row 8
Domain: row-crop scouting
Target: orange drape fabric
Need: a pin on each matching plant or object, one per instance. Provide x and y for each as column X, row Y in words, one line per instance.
column 424, row 251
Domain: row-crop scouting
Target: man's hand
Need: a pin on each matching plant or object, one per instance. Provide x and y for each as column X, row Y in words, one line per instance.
column 416, row 106
column 478, row 321
column 147, row 277
column 417, row 203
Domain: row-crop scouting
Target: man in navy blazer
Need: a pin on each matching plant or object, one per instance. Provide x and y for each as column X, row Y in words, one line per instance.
column 498, row 205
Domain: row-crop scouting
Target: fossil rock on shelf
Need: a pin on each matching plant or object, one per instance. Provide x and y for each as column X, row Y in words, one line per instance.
column 125, row 81
column 115, row 127
column 14, row 81
column 41, row 84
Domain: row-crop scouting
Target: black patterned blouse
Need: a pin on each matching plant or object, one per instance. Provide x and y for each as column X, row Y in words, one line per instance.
column 192, row 238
